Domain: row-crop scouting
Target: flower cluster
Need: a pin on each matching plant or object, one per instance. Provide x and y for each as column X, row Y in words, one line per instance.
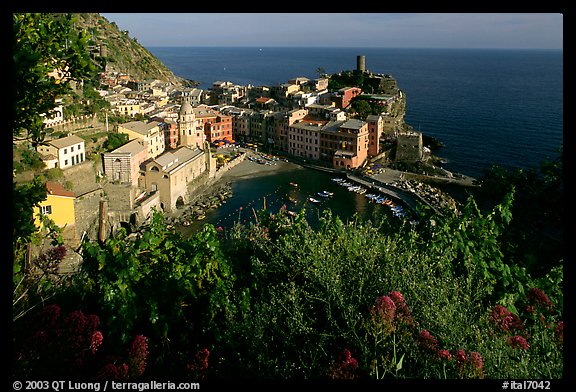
column 559, row 332
column 383, row 312
column 197, row 369
column 444, row 355
column 470, row 366
column 427, row 342
column 390, row 311
column 518, row 341
column 345, row 367
column 505, row 320
column 403, row 314
column 538, row 300
column 138, row 355
column 59, row 343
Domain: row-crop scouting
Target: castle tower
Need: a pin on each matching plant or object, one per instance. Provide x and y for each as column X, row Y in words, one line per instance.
column 361, row 63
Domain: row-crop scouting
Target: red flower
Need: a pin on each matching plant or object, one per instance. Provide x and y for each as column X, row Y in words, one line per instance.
column 198, row 367
column 345, row 367
column 427, row 342
column 402, row 311
column 384, row 311
column 539, row 300
column 518, row 342
column 96, row 341
column 504, row 319
column 444, row 355
column 559, row 332
column 138, row 355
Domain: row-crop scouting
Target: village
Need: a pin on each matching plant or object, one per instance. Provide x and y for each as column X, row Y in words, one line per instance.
column 183, row 139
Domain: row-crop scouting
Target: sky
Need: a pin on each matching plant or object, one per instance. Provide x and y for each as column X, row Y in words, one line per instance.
column 388, row 30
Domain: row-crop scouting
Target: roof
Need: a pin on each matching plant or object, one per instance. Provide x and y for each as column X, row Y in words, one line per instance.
column 56, row 189
column 66, row 141
column 132, row 147
column 173, row 160
column 140, row 126
column 353, row 124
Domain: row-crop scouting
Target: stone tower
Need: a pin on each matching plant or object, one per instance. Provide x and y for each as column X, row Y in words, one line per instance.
column 361, row 63
column 188, row 132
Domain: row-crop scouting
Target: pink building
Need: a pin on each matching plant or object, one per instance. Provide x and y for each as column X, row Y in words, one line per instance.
column 123, row 164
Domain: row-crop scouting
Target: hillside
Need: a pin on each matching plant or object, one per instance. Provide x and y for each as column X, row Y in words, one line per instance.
column 115, row 49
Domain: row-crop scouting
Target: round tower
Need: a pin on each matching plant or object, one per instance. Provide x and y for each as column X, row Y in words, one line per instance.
column 361, row 63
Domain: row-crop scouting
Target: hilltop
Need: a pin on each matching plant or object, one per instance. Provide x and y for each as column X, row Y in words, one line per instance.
column 114, row 50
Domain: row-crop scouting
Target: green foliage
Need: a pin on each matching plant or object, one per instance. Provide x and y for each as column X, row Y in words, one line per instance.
column 115, row 140
column 42, row 44
column 279, row 299
column 172, row 289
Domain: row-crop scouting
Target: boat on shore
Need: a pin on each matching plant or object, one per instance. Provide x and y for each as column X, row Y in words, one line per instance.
column 313, row 200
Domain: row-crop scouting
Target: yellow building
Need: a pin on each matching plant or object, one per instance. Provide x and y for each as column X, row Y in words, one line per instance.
column 150, row 132
column 58, row 206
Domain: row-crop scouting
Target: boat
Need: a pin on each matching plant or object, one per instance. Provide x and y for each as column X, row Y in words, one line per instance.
column 293, row 184
column 325, row 194
column 292, row 200
column 313, row 200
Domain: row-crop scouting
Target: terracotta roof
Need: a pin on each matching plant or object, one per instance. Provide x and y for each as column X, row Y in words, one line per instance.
column 56, row 189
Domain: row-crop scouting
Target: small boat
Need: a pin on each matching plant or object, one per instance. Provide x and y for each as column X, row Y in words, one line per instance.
column 325, row 194
column 293, row 184
column 200, row 217
column 292, row 200
column 313, row 200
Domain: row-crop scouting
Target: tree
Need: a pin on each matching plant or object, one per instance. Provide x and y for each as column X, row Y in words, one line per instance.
column 48, row 54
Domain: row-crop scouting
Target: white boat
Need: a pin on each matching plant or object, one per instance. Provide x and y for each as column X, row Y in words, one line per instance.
column 313, row 200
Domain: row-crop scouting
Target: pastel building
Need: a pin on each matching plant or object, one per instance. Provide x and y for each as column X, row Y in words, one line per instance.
column 58, row 206
column 123, row 164
column 63, row 153
column 150, row 133
column 172, row 172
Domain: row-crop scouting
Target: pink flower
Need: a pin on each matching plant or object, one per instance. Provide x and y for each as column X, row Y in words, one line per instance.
column 199, row 365
column 138, row 355
column 96, row 341
column 384, row 311
column 518, row 342
column 444, row 355
column 504, row 319
column 427, row 342
column 345, row 367
column 461, row 357
column 402, row 311
column 476, row 360
column 559, row 332
column 538, row 299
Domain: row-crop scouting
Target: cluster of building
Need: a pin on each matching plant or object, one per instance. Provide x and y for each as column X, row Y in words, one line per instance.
column 300, row 118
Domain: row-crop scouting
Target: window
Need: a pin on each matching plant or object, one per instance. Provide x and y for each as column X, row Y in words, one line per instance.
column 72, row 149
column 65, row 151
column 46, row 210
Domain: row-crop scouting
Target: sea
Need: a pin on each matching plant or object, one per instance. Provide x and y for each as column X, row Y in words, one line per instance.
column 486, row 106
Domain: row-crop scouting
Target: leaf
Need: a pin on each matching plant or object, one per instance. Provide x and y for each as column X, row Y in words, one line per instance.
column 399, row 364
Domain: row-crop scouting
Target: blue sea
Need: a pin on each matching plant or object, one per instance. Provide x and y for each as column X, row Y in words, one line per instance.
column 486, row 106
